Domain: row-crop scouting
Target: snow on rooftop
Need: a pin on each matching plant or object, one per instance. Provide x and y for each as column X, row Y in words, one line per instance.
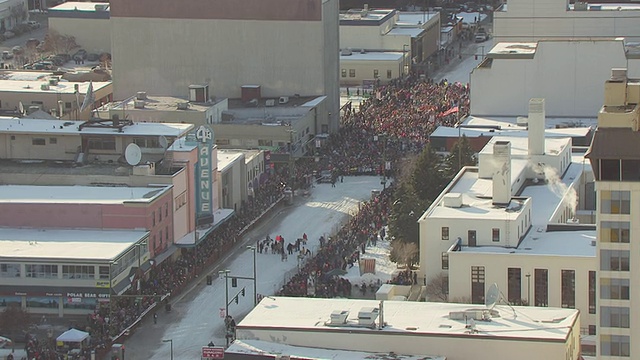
column 314, row 102
column 258, row 347
column 415, row 18
column 78, row 6
column 404, row 31
column 79, row 194
column 227, row 158
column 515, row 131
column 20, row 83
column 182, row 144
column 520, row 145
column 159, row 103
column 402, row 317
column 66, row 243
column 509, row 122
column 471, row 17
column 514, row 48
column 558, row 243
column 372, row 56
column 66, row 127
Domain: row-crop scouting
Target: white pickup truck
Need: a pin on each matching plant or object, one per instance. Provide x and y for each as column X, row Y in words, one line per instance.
column 481, row 35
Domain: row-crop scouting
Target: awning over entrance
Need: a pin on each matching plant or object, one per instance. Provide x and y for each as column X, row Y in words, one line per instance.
column 193, row 238
column 165, row 255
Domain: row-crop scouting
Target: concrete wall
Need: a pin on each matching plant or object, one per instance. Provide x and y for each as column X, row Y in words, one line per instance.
column 17, row 146
column 93, row 35
column 558, row 72
column 550, row 19
column 496, row 266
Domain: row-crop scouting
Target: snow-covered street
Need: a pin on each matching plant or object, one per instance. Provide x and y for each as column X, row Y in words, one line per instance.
column 195, row 320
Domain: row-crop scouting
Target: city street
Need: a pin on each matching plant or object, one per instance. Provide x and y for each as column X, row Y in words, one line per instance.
column 195, row 320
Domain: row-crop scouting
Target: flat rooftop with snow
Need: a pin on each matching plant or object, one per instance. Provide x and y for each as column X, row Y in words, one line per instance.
column 80, row 194
column 66, row 127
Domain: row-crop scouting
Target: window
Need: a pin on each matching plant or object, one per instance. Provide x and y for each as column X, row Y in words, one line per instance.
column 445, row 261
column 376, row 74
column 615, row 202
column 614, row 289
column 147, row 142
column 614, row 231
column 477, row 284
column 389, row 74
column 614, row 260
column 592, row 292
column 541, row 287
column 78, row 272
column 614, row 317
column 181, row 200
column 592, row 329
column 67, row 105
column 166, row 233
column 10, row 270
column 38, row 141
column 153, row 218
column 568, row 289
column 97, row 143
column 610, row 170
column 343, row 72
column 514, row 289
column 41, row 271
column 166, row 210
column 160, row 214
column 53, row 141
column 445, row 233
column 352, row 72
column 495, row 234
column 615, row 345
column 104, row 272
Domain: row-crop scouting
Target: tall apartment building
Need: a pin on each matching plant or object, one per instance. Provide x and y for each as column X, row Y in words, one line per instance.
column 615, row 158
column 287, row 47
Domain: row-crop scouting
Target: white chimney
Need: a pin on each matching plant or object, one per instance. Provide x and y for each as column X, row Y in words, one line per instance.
column 502, row 173
column 536, row 126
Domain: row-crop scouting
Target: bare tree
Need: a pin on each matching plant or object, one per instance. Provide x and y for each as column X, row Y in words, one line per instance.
column 56, row 43
column 437, row 289
column 404, row 252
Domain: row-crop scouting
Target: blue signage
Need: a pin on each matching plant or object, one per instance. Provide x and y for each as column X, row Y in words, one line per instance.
column 204, row 191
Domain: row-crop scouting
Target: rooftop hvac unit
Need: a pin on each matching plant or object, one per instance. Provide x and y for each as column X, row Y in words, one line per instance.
column 618, row 74
column 183, row 105
column 101, row 7
column 44, row 87
column 522, row 121
column 339, row 317
column 453, row 200
column 367, row 316
column 346, row 52
column 580, row 6
column 138, row 104
column 283, row 100
column 270, row 102
column 53, row 81
column 141, row 95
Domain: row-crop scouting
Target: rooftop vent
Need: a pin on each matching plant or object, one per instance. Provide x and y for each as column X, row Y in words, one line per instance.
column 367, row 316
column 346, row 52
column 53, row 81
column 270, row 102
column 183, row 105
column 138, row 104
column 453, row 200
column 618, row 74
column 44, row 87
column 141, row 95
column 339, row 317
column 283, row 100
column 101, row 7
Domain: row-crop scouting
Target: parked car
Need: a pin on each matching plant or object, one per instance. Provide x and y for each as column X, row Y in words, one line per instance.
column 5, row 342
column 7, row 55
column 481, row 35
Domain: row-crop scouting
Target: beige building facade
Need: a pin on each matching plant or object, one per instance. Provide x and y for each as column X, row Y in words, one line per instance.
column 251, row 42
column 615, row 157
column 87, row 22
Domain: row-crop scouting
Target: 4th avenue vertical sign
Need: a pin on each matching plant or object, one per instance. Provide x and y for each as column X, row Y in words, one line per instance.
column 204, row 195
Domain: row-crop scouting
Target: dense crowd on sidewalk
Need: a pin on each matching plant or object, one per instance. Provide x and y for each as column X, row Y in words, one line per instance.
column 396, row 120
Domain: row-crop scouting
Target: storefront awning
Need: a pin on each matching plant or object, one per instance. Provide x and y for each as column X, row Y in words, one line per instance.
column 195, row 237
column 165, row 255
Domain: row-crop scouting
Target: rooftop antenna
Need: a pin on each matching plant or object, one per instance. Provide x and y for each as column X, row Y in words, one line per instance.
column 493, row 296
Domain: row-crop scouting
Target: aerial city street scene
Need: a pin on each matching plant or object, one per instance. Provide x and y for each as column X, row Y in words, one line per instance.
column 319, row 179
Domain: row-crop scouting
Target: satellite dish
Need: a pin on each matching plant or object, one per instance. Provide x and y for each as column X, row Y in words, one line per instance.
column 492, row 296
column 163, row 141
column 133, row 154
column 21, row 108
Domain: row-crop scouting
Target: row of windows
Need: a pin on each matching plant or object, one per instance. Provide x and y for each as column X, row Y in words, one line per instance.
column 43, row 141
column 615, row 202
column 181, row 200
column 541, row 287
column 159, row 212
column 376, row 73
column 495, row 233
column 51, row 271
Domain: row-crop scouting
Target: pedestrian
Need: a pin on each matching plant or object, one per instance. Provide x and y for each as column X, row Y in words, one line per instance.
column 155, row 318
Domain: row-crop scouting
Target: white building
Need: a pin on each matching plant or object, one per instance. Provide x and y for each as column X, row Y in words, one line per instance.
column 615, row 157
column 358, row 67
column 525, row 20
column 415, row 328
column 512, row 216
column 557, row 70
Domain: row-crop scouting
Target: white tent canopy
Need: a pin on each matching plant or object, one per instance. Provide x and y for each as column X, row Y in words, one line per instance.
column 73, row 335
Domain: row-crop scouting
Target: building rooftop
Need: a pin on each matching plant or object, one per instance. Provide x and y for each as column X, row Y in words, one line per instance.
column 511, row 122
column 79, row 6
column 31, row 82
column 258, row 347
column 226, row 158
column 520, row 145
column 80, row 194
column 515, row 131
column 366, row 17
column 66, row 127
column 527, row 50
column 372, row 56
column 405, row 31
column 413, row 318
column 159, row 103
column 416, row 18
column 79, row 244
column 296, row 108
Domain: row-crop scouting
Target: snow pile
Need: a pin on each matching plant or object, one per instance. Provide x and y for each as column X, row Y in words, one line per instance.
column 385, row 268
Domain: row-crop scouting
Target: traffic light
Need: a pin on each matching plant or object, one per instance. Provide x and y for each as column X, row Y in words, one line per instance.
column 234, row 282
column 236, row 299
column 242, row 292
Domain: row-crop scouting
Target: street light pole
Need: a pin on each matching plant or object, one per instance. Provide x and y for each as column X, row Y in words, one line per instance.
column 170, row 341
column 226, row 290
column 255, row 279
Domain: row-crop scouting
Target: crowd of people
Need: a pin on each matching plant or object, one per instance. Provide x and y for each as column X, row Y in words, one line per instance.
column 397, row 119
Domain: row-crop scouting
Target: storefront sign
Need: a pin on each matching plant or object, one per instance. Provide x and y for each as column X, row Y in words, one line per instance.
column 204, row 195
column 87, row 295
column 103, row 284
